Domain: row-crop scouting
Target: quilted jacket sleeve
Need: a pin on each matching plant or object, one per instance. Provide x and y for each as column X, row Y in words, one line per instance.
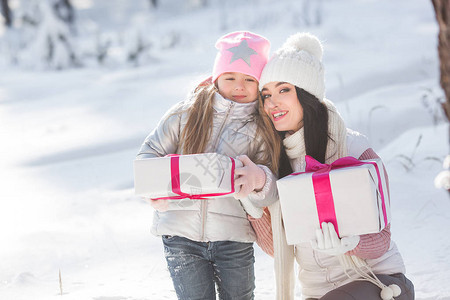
column 164, row 139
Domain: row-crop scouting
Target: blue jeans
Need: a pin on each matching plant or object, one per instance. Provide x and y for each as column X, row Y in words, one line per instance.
column 197, row 267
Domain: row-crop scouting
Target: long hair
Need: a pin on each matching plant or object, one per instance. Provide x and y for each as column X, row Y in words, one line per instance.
column 270, row 137
column 197, row 131
column 315, row 124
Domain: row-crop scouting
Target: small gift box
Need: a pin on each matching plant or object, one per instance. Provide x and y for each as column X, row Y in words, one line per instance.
column 349, row 193
column 196, row 176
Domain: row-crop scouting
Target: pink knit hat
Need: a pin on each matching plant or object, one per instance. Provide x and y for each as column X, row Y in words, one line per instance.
column 243, row 52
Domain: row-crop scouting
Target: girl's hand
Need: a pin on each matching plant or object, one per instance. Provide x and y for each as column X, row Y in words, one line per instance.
column 329, row 243
column 160, row 205
column 251, row 177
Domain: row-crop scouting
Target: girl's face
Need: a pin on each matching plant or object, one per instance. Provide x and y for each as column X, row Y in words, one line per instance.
column 282, row 105
column 238, row 87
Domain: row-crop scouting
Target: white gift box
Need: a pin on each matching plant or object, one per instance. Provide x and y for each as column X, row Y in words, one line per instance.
column 354, row 198
column 184, row 176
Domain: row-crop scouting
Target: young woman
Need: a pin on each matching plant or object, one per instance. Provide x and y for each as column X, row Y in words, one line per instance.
column 292, row 92
column 210, row 242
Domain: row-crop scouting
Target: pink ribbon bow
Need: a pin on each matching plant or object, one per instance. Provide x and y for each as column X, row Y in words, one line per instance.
column 322, row 187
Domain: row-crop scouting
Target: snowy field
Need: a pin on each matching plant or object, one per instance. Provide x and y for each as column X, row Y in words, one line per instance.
column 68, row 139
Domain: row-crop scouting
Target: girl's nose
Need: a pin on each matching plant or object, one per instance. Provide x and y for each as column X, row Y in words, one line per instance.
column 239, row 85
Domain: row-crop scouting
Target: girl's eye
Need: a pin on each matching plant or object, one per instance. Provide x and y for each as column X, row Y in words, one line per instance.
column 285, row 90
column 264, row 97
column 250, row 79
column 229, row 78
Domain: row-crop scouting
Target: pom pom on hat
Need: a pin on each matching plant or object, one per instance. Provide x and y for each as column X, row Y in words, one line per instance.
column 307, row 42
column 298, row 62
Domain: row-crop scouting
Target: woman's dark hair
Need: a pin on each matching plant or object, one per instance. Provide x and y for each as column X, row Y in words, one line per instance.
column 315, row 124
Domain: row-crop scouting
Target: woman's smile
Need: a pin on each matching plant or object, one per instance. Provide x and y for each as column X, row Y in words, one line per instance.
column 276, row 116
column 282, row 105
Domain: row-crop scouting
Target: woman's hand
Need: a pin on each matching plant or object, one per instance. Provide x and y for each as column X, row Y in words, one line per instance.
column 328, row 242
column 251, row 177
column 160, row 205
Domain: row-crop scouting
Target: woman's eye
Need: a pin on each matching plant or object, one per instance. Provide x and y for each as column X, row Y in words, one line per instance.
column 264, row 97
column 285, row 90
column 250, row 79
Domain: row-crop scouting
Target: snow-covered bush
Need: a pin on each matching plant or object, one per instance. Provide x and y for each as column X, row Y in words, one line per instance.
column 51, row 44
column 442, row 180
column 137, row 47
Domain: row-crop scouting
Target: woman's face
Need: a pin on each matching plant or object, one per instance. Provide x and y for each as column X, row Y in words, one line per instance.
column 282, row 105
column 238, row 87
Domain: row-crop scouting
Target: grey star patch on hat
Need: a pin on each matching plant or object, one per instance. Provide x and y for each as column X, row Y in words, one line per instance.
column 242, row 51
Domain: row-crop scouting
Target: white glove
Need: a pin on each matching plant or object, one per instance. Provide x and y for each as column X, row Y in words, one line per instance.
column 160, row 205
column 251, row 177
column 329, row 243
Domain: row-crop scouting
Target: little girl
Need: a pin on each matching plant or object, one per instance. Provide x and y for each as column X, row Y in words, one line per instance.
column 210, row 242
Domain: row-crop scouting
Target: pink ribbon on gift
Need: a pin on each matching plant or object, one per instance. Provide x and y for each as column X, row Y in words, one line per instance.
column 322, row 186
column 176, row 182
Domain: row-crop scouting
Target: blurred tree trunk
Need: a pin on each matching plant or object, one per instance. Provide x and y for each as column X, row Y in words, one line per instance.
column 154, row 3
column 442, row 10
column 6, row 12
column 65, row 11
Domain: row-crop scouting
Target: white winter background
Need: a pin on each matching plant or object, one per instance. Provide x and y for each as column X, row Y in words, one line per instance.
column 69, row 137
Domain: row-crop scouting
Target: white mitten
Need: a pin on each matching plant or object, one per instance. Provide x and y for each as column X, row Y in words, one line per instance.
column 328, row 242
column 251, row 177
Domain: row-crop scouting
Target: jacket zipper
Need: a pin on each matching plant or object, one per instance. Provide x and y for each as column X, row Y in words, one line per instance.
column 223, row 124
column 205, row 202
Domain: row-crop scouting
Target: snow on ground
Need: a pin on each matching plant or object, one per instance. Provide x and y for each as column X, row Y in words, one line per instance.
column 69, row 139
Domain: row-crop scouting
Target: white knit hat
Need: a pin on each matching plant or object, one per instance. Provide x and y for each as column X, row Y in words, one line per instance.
column 298, row 62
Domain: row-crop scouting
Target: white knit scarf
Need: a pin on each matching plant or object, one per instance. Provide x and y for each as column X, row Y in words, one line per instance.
column 295, row 149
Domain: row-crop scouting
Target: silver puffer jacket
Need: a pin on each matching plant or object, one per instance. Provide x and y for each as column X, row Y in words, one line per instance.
column 233, row 133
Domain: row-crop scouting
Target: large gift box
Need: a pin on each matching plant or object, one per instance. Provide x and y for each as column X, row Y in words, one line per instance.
column 349, row 193
column 196, row 176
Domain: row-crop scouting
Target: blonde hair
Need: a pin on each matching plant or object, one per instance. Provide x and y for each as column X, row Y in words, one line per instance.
column 200, row 120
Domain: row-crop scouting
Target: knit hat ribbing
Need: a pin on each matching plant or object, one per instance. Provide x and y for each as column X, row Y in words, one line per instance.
column 241, row 51
column 298, row 62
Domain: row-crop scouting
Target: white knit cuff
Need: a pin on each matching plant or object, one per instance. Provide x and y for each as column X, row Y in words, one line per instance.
column 251, row 209
column 267, row 185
